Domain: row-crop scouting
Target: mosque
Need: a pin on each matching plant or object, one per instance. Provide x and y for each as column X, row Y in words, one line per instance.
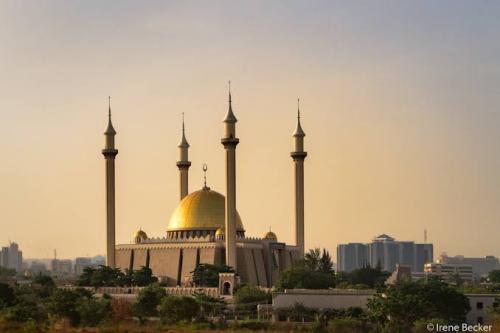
column 206, row 227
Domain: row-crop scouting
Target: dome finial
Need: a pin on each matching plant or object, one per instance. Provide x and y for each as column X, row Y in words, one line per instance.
column 229, row 84
column 109, row 107
column 205, row 168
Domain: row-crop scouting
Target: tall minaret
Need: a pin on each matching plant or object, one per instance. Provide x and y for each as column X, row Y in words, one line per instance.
column 299, row 156
column 183, row 164
column 109, row 153
column 230, row 141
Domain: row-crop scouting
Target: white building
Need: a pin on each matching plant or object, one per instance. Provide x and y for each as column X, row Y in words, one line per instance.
column 481, row 266
column 447, row 272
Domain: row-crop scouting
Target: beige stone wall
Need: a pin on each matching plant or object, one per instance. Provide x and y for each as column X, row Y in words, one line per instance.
column 207, row 256
column 188, row 263
column 322, row 299
column 123, row 259
column 165, row 263
column 140, row 256
column 261, row 267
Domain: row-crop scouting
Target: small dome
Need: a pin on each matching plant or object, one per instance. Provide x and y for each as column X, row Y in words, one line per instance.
column 270, row 236
column 219, row 232
column 140, row 236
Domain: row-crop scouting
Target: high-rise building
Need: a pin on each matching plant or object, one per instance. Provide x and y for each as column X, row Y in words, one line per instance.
column 386, row 252
column 81, row 263
column 12, row 257
column 480, row 266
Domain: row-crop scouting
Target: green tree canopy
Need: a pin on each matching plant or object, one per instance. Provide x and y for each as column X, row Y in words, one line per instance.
column 247, row 297
column 7, row 297
column 406, row 302
column 7, row 272
column 299, row 277
column 146, row 304
column 174, row 309
column 494, row 276
column 366, row 276
column 143, row 277
column 207, row 275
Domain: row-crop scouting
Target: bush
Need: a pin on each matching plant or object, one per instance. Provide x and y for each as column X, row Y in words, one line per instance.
column 246, row 298
column 347, row 325
column 28, row 306
column 175, row 309
column 300, row 277
column 63, row 304
column 7, row 296
column 147, row 301
column 121, row 309
column 93, row 311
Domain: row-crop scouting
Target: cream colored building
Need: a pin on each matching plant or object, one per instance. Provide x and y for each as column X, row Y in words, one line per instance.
column 206, row 227
column 448, row 271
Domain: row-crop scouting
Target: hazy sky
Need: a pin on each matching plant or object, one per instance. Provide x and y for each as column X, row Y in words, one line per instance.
column 400, row 103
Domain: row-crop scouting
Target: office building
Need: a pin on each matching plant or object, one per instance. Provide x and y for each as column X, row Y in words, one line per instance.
column 386, row 252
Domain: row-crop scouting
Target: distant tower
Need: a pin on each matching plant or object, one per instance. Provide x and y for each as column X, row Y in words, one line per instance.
column 183, row 164
column 299, row 156
column 230, row 141
column 425, row 236
column 110, row 153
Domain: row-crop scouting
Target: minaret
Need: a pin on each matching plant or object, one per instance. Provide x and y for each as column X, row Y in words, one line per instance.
column 299, row 156
column 230, row 141
column 183, row 164
column 109, row 153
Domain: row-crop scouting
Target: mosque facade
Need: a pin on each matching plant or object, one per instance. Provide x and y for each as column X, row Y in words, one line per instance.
column 206, row 226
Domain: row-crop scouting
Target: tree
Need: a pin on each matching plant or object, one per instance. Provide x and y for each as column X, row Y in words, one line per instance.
column 63, row 304
column 143, row 277
column 174, row 309
column 209, row 306
column 246, row 298
column 406, row 302
column 106, row 276
column 27, row 307
column 7, row 272
column 300, row 277
column 325, row 262
column 367, row 276
column 147, row 301
column 206, row 275
column 43, row 285
column 312, row 259
column 7, row 297
column 93, row 311
column 494, row 276
column 85, row 279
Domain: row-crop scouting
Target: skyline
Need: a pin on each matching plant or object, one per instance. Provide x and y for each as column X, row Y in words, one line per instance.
column 400, row 104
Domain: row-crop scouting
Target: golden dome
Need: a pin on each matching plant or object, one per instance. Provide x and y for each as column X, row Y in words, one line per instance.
column 271, row 235
column 140, row 236
column 219, row 232
column 201, row 210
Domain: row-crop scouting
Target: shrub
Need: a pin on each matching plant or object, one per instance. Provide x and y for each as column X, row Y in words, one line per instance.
column 246, row 298
column 175, row 309
column 147, row 301
column 93, row 311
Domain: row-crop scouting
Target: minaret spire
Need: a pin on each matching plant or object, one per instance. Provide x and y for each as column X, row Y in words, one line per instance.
column 230, row 141
column 183, row 164
column 298, row 156
column 110, row 153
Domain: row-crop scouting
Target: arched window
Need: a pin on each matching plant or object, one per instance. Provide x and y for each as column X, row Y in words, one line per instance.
column 226, row 288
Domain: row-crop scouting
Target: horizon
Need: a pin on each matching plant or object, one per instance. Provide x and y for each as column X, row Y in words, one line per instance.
column 400, row 104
